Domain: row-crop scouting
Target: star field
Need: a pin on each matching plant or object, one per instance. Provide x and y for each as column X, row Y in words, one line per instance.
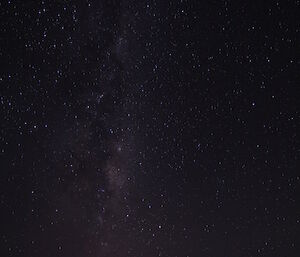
column 149, row 128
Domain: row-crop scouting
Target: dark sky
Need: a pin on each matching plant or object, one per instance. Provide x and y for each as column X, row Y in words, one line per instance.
column 149, row 128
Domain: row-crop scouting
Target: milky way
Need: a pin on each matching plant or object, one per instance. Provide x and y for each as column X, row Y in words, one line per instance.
column 149, row 128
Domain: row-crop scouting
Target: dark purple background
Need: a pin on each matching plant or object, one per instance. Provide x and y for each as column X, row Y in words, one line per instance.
column 149, row 128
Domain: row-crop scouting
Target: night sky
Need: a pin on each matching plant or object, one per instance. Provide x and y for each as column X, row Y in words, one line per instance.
column 149, row 128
